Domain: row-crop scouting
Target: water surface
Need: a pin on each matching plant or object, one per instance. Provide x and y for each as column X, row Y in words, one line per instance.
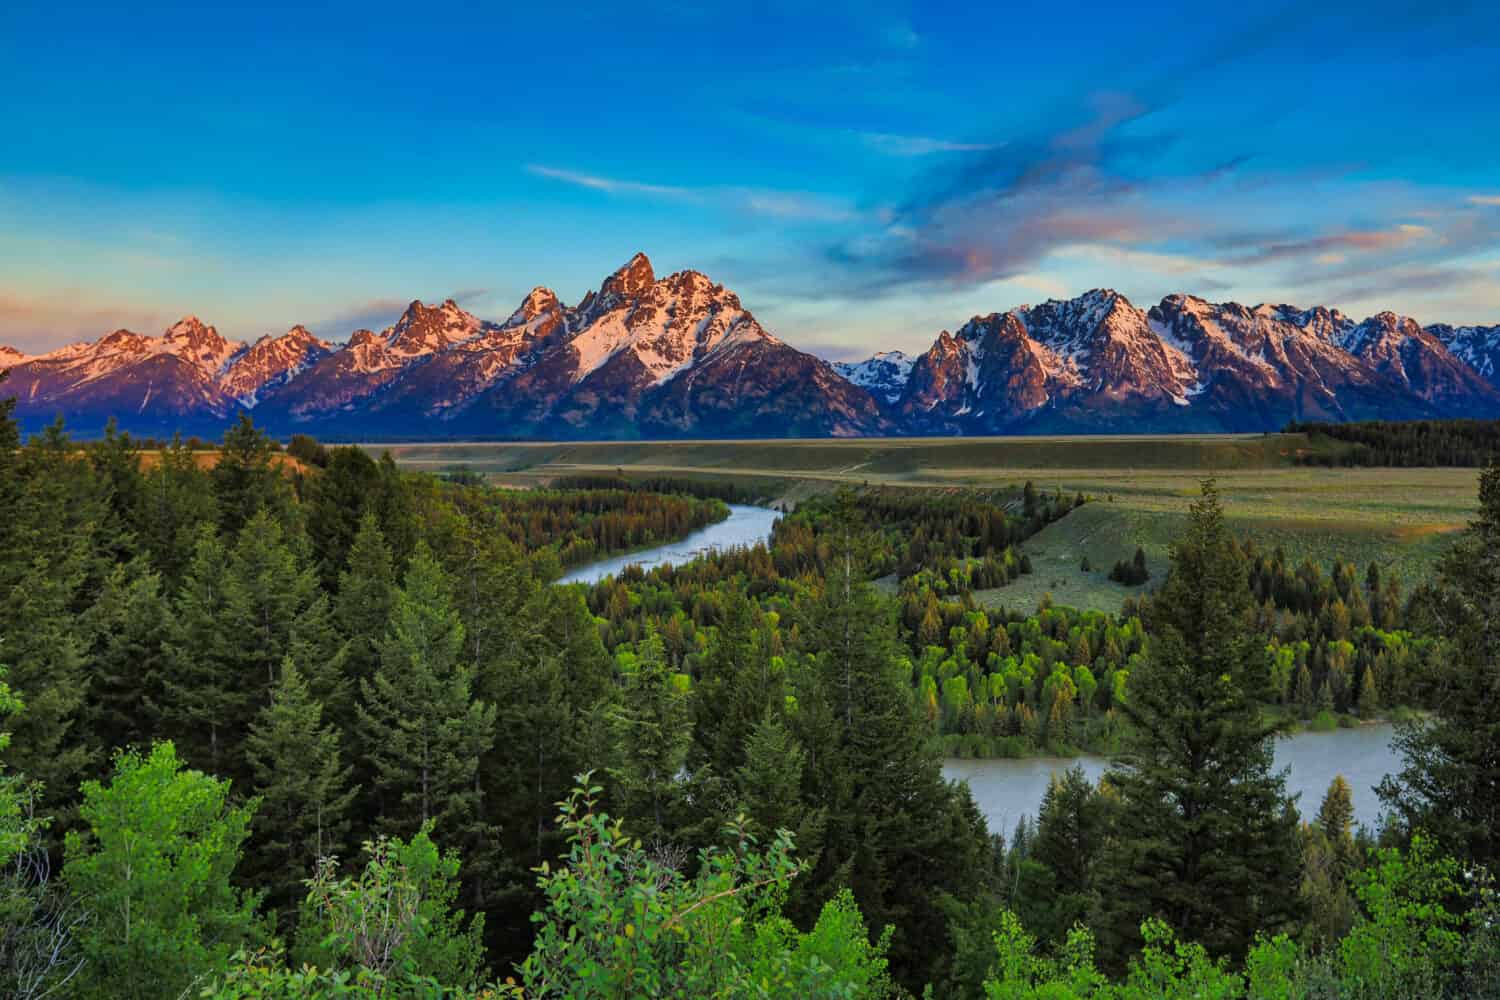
column 1006, row 790
column 744, row 526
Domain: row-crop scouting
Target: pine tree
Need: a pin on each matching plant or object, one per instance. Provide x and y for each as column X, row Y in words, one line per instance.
column 362, row 609
column 1307, row 696
column 1369, row 695
column 421, row 733
column 177, row 500
column 1070, row 840
column 1451, row 765
column 246, row 478
column 128, row 633
column 654, row 731
column 1207, row 837
column 897, row 835
column 206, row 700
column 738, row 683
column 304, row 789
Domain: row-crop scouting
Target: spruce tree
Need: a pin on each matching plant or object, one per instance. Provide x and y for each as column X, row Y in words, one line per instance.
column 420, row 731
column 654, row 731
column 205, row 699
column 1369, row 695
column 265, row 591
column 738, row 683
column 1451, row 765
column 362, row 609
column 769, row 786
column 1071, row 838
column 304, row 789
column 1306, row 696
column 128, row 633
column 177, row 500
column 336, row 501
column 1206, row 835
column 246, row 477
column 897, row 834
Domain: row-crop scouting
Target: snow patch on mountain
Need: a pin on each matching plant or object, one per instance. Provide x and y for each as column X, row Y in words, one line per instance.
column 883, row 374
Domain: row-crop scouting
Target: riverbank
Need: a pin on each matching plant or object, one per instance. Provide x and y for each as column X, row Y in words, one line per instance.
column 746, row 525
column 1008, row 788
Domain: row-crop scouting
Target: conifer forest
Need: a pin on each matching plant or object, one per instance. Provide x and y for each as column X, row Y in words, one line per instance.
column 296, row 722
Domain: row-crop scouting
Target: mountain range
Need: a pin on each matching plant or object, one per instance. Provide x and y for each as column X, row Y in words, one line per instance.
column 679, row 356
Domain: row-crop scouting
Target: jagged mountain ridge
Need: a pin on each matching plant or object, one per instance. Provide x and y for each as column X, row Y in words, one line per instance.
column 1099, row 363
column 884, row 374
column 679, row 356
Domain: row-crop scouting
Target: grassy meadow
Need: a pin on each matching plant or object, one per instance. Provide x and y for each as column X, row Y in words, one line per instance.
column 1402, row 518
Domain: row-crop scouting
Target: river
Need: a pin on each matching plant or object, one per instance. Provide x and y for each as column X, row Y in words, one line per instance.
column 1008, row 789
column 745, row 525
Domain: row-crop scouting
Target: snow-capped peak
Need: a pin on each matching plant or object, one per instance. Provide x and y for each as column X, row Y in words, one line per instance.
column 538, row 302
column 884, row 373
column 195, row 341
column 425, row 329
column 270, row 362
column 632, row 278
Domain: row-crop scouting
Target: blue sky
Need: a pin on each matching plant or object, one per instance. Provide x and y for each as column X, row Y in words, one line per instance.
column 863, row 174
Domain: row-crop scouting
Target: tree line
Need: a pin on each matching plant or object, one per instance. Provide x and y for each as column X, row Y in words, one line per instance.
column 1464, row 443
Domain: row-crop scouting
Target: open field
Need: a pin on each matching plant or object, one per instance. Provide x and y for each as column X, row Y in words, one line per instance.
column 930, row 461
column 1402, row 518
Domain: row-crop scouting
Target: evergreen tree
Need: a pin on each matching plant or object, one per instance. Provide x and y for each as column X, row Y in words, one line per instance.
column 1369, row 695
column 246, row 477
column 362, row 609
column 1072, row 831
column 1306, row 696
column 1335, row 821
column 769, row 784
column 128, row 634
column 265, row 591
column 421, row 733
column 205, row 699
column 176, row 501
column 46, row 655
column 1207, row 838
column 304, row 790
column 336, row 501
column 1451, row 766
column 738, row 683
column 654, row 732
column 898, row 835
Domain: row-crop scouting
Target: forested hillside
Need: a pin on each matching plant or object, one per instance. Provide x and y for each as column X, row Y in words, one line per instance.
column 327, row 729
column 1470, row 443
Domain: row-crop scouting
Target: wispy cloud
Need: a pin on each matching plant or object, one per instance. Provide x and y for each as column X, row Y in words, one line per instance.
column 1332, row 247
column 894, row 144
column 1488, row 200
column 764, row 202
column 367, row 314
column 611, row 185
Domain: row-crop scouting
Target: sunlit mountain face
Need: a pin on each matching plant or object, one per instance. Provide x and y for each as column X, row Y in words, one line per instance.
column 359, row 221
column 680, row 356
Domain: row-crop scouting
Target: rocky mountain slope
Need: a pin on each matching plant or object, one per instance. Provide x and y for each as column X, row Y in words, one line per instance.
column 1099, row 363
column 883, row 374
column 680, row 356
